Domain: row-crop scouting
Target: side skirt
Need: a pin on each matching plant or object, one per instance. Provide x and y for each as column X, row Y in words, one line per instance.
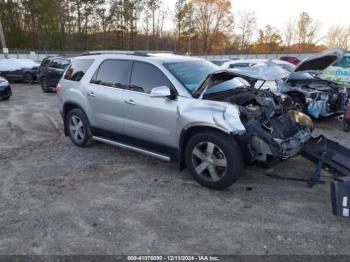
column 159, row 151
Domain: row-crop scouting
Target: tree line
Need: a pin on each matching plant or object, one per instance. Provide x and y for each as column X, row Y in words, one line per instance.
column 199, row 27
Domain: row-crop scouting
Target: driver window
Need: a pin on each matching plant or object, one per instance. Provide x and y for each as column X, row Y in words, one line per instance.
column 145, row 77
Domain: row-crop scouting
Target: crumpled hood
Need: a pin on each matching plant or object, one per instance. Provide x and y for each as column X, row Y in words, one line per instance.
column 266, row 72
column 320, row 61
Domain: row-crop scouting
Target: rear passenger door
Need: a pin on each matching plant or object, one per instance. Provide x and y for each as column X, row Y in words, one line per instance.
column 106, row 95
column 150, row 118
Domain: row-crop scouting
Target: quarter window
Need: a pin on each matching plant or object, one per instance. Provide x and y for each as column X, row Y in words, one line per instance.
column 145, row 77
column 77, row 69
column 112, row 73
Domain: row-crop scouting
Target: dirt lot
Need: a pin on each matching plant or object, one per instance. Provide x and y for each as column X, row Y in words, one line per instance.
column 60, row 199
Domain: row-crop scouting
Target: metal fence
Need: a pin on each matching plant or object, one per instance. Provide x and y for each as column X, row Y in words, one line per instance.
column 255, row 56
column 39, row 56
column 35, row 56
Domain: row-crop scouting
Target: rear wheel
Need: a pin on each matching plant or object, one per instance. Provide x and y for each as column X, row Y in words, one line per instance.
column 28, row 78
column 78, row 128
column 6, row 98
column 214, row 159
column 44, row 85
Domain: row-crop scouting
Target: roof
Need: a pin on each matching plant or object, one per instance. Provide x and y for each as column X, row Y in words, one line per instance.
column 155, row 57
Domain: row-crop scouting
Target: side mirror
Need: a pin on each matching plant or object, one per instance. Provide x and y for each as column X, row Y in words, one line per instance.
column 161, row 91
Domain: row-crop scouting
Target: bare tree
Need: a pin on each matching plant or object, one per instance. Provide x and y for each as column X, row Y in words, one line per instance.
column 339, row 36
column 269, row 39
column 180, row 16
column 246, row 28
column 307, row 29
column 288, row 35
column 211, row 17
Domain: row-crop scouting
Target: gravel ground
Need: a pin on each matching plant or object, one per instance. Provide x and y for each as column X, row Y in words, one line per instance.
column 60, row 199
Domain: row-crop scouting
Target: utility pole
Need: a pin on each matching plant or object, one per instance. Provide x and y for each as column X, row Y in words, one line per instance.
column 2, row 39
column 189, row 34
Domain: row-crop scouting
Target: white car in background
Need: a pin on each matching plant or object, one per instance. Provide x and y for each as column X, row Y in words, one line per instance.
column 252, row 62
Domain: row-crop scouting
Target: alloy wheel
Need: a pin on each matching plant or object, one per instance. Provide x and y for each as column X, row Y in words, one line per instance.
column 209, row 161
column 76, row 128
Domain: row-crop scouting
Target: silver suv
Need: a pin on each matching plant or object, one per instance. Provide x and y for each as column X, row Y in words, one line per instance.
column 182, row 108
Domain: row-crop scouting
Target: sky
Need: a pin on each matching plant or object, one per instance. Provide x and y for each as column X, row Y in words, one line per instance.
column 278, row 12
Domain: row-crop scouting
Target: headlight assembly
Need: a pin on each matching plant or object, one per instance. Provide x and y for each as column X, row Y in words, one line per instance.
column 301, row 119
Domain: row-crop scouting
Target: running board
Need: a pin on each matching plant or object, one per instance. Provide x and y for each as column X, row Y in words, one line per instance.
column 133, row 148
column 332, row 155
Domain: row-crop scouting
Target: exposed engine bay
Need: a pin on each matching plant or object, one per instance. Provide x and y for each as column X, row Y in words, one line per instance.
column 323, row 98
column 274, row 130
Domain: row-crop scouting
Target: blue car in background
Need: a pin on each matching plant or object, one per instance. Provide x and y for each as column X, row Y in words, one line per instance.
column 340, row 71
column 5, row 89
column 50, row 72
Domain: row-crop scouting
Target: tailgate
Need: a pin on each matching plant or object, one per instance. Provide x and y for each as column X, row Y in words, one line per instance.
column 337, row 157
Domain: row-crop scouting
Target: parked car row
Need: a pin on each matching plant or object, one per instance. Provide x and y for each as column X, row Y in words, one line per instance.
column 312, row 94
column 211, row 119
column 48, row 73
column 21, row 70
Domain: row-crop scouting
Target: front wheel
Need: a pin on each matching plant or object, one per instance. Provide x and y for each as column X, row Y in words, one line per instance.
column 78, row 128
column 214, row 159
column 28, row 78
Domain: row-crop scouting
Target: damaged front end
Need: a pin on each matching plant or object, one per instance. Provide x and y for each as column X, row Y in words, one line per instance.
column 273, row 131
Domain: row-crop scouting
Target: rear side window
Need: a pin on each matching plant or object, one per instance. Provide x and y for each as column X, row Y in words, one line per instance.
column 55, row 63
column 64, row 63
column 112, row 73
column 145, row 77
column 45, row 62
column 77, row 69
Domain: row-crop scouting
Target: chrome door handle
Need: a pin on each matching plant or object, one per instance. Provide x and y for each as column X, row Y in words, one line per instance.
column 92, row 94
column 130, row 102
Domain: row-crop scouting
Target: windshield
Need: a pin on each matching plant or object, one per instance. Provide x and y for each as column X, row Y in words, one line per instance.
column 191, row 73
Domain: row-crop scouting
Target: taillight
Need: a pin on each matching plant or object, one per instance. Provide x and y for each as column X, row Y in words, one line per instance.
column 58, row 88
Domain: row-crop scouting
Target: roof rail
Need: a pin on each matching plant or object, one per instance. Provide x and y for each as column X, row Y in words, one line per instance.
column 123, row 52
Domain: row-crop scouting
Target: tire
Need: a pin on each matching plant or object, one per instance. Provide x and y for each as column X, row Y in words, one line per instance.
column 205, row 149
column 300, row 104
column 6, row 98
column 78, row 121
column 346, row 126
column 44, row 85
column 28, row 78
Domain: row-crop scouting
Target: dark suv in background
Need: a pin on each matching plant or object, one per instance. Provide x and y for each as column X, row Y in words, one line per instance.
column 51, row 70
